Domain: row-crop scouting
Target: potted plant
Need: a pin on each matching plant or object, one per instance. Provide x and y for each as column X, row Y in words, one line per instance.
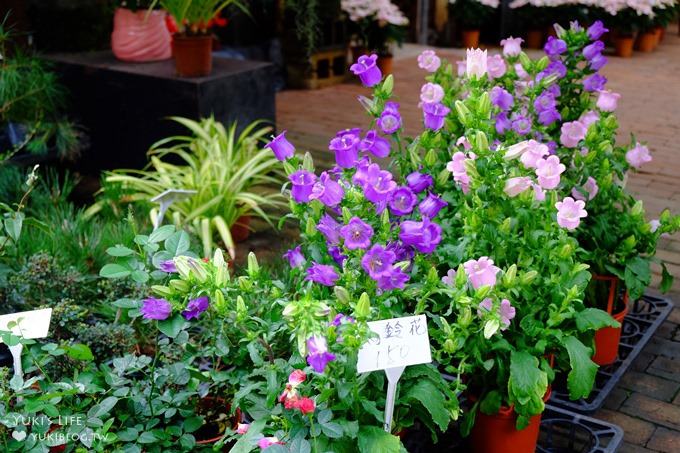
column 625, row 23
column 377, row 26
column 533, row 16
column 140, row 34
column 471, row 15
column 192, row 41
column 233, row 178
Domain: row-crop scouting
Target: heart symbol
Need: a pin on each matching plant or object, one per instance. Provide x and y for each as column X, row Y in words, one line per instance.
column 19, row 435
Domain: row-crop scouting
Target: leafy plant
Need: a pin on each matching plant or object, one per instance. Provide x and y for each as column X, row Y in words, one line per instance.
column 195, row 17
column 229, row 172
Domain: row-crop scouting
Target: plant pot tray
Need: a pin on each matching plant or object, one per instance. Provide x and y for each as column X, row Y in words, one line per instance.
column 644, row 317
column 561, row 431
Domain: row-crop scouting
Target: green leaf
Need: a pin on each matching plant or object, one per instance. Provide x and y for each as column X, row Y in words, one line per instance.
column 246, row 442
column 126, row 303
column 526, row 386
column 161, row 233
column 172, row 326
column 178, row 243
column 432, row 399
column 582, row 375
column 594, row 319
column 80, row 352
column 373, row 439
column 13, row 226
column 140, row 276
column 371, row 408
column 324, row 416
column 128, row 435
column 491, row 403
column 191, row 424
column 119, row 250
column 114, row 270
column 147, row 437
column 103, row 408
column 332, row 430
column 666, row 279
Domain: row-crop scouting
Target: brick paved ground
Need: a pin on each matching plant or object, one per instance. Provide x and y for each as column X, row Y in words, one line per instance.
column 646, row 404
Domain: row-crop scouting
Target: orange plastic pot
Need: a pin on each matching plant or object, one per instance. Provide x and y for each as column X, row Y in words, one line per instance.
column 535, row 39
column 385, row 64
column 193, row 55
column 470, row 39
column 624, row 46
column 607, row 339
column 498, row 434
column 646, row 41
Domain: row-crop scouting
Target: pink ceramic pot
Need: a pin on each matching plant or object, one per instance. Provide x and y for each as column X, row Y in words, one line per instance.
column 139, row 38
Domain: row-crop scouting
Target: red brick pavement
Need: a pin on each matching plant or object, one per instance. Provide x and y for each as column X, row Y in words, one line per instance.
column 646, row 404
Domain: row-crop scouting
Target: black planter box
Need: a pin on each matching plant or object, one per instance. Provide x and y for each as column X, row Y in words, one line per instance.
column 123, row 107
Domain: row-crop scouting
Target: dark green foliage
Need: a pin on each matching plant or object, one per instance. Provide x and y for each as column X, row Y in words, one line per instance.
column 107, row 340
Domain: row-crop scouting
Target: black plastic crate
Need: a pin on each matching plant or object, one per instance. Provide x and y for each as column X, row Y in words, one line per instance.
column 562, row 431
column 643, row 319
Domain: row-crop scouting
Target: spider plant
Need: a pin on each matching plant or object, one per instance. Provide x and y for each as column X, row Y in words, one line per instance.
column 195, row 17
column 231, row 174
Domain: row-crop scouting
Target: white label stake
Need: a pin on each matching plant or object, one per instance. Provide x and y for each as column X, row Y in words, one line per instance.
column 166, row 198
column 400, row 342
column 29, row 325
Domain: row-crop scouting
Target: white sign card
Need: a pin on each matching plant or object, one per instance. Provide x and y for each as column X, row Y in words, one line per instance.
column 400, row 342
column 32, row 324
column 168, row 197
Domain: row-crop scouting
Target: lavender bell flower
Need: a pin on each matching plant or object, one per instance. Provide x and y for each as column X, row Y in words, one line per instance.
column 318, row 356
column 545, row 101
column 593, row 50
column 401, row 251
column 521, row 125
column 336, row 253
column 598, row 62
column 330, row 228
column 503, row 123
column 431, row 205
column 554, row 47
column 327, row 191
column 281, row 147
column 596, row 30
column 377, row 261
column 418, row 182
column 346, row 148
column 434, row 114
column 379, row 184
column 168, row 266
column 341, row 319
column 402, row 200
column 303, row 182
column 390, row 118
column 195, row 307
column 501, row 98
column 357, row 234
column 295, row 257
column 375, row 144
column 424, row 236
column 547, row 117
column 396, row 278
column 367, row 69
column 594, row 82
column 322, row 274
column 157, row 309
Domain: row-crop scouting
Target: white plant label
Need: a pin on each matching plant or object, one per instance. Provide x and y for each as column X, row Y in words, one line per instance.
column 400, row 342
column 31, row 324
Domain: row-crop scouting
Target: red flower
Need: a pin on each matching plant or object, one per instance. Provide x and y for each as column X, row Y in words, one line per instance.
column 306, row 405
column 217, row 21
column 292, row 402
column 170, row 24
column 296, row 378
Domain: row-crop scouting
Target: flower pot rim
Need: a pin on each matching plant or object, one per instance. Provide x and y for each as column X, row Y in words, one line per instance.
column 508, row 411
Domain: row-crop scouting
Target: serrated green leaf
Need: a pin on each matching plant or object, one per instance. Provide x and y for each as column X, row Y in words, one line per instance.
column 583, row 370
column 594, row 319
column 373, row 439
column 432, row 399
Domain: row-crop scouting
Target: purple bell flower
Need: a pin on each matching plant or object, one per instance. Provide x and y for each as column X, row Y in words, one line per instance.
column 434, row 114
column 379, row 184
column 168, row 266
column 431, row 205
column 336, row 253
column 503, row 123
column 353, row 131
column 545, row 101
column 357, row 234
column 394, row 279
column 327, row 191
column 303, row 182
column 322, row 274
column 402, row 200
column 554, row 47
column 346, row 148
column 598, row 62
column 424, row 236
column 548, row 117
column 401, row 251
column 367, row 69
column 317, row 353
column 596, row 30
column 390, row 118
column 419, row 181
column 377, row 261
column 595, row 82
column 375, row 144
column 592, row 50
column 501, row 98
column 195, row 307
column 341, row 319
column 157, row 309
column 295, row 257
column 330, row 228
column 281, row 147
column 521, row 125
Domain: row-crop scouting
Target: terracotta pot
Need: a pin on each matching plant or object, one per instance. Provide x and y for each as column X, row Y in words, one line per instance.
column 645, row 41
column 470, row 39
column 497, row 433
column 657, row 36
column 193, row 55
column 607, row 339
column 139, row 38
column 624, row 46
column 662, row 34
column 385, row 63
column 240, row 231
column 534, row 39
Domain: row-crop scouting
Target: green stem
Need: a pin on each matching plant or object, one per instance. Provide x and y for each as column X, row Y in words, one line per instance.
column 311, row 422
column 153, row 376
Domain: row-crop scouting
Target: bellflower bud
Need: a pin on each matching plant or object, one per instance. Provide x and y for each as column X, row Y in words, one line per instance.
column 363, row 307
column 342, row 294
column 253, row 266
column 162, row 291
